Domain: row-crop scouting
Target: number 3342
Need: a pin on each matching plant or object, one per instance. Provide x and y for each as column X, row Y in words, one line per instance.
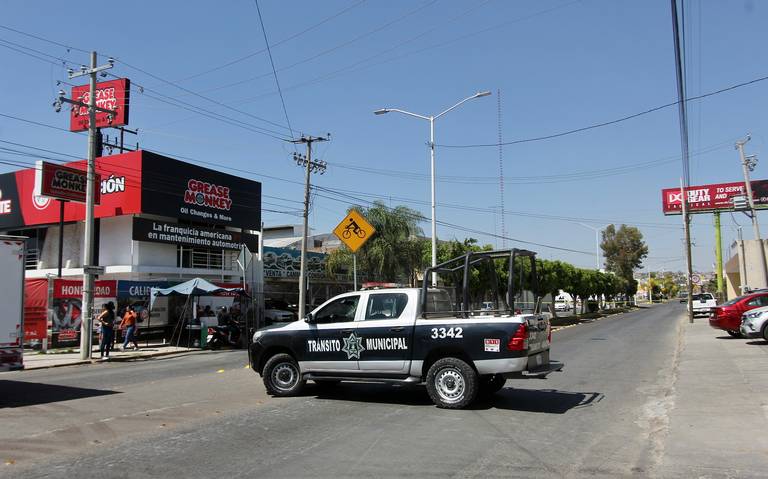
column 442, row 333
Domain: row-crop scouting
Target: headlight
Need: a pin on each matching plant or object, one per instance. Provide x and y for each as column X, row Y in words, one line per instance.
column 752, row 315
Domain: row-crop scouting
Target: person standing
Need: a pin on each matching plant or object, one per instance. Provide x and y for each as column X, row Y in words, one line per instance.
column 129, row 325
column 107, row 322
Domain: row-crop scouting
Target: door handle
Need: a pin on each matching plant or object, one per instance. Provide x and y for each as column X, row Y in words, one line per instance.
column 397, row 330
column 346, row 331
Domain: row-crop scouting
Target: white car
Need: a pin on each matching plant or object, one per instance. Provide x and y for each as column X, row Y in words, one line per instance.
column 754, row 323
column 560, row 307
column 702, row 303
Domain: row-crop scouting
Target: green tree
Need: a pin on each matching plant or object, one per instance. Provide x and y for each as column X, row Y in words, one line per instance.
column 623, row 249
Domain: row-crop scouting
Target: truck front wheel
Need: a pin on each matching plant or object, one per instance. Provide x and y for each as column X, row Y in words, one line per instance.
column 452, row 383
column 281, row 376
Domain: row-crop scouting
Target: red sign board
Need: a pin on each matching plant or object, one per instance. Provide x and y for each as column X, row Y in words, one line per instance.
column 62, row 182
column 715, row 197
column 66, row 288
column 110, row 95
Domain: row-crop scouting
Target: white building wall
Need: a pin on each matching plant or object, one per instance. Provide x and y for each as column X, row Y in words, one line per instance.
column 115, row 241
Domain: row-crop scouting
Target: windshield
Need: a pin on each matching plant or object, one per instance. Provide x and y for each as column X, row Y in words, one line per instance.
column 734, row 301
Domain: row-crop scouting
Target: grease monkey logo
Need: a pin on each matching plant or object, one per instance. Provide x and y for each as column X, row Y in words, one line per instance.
column 200, row 193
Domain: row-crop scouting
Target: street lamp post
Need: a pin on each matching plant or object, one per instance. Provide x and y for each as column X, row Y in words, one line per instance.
column 597, row 240
column 431, row 119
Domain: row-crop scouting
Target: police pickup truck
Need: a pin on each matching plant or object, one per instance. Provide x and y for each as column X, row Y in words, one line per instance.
column 415, row 336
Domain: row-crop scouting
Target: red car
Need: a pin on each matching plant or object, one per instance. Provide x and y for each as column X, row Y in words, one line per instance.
column 727, row 316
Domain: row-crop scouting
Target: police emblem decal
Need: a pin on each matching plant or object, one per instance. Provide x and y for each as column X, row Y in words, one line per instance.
column 353, row 346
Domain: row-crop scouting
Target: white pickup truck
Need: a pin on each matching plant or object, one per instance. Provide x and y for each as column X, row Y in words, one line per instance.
column 703, row 302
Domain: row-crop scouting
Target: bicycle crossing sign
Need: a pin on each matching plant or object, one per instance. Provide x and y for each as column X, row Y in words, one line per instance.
column 354, row 230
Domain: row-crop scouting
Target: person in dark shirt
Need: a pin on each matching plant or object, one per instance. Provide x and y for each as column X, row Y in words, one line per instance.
column 107, row 322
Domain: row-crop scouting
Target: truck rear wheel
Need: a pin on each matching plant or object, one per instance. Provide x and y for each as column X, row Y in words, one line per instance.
column 281, row 376
column 452, row 383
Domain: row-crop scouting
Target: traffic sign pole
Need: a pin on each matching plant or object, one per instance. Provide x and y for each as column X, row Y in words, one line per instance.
column 354, row 270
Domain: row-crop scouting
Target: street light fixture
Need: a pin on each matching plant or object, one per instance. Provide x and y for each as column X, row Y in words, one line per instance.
column 431, row 119
column 597, row 240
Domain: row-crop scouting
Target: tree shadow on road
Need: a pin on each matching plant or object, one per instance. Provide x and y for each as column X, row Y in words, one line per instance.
column 547, row 401
column 22, row 393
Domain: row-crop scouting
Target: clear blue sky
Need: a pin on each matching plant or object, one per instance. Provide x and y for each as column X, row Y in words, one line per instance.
column 559, row 65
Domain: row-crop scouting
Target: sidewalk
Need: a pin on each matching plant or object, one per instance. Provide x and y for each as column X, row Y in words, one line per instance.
column 718, row 425
column 37, row 360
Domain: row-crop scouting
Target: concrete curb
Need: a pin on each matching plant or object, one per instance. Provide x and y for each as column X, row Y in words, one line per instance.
column 117, row 359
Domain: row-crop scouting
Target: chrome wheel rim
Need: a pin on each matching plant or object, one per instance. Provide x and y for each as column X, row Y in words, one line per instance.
column 285, row 376
column 450, row 385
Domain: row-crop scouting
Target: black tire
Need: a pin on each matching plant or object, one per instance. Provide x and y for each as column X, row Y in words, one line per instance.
column 764, row 331
column 491, row 384
column 281, row 376
column 452, row 383
column 735, row 334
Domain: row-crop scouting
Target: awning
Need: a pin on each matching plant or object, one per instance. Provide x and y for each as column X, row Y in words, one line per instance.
column 193, row 287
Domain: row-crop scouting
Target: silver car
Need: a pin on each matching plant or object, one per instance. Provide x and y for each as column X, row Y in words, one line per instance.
column 754, row 323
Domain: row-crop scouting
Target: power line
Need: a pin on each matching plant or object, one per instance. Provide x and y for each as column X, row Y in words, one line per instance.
column 524, row 180
column 421, row 217
column 156, row 77
column 569, row 219
column 328, row 50
column 68, row 47
column 274, row 71
column 612, row 122
column 296, row 35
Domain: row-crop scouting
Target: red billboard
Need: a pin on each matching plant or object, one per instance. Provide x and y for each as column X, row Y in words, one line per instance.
column 139, row 182
column 119, row 192
column 62, row 182
column 110, row 95
column 715, row 197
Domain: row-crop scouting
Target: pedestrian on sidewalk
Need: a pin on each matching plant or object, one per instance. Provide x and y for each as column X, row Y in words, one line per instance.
column 129, row 325
column 107, row 322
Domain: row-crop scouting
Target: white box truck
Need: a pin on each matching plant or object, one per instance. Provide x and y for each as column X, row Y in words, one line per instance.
column 12, row 257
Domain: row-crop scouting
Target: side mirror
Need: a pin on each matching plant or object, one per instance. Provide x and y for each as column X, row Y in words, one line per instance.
column 309, row 318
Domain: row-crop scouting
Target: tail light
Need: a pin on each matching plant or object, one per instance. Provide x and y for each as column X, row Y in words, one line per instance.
column 519, row 340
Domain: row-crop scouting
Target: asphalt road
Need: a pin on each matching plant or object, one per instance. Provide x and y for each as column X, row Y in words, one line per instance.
column 205, row 415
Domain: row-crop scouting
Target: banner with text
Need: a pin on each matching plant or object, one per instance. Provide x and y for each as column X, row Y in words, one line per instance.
column 191, row 236
column 714, row 197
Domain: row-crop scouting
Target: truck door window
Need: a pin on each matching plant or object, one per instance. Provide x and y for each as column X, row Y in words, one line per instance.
column 340, row 311
column 385, row 305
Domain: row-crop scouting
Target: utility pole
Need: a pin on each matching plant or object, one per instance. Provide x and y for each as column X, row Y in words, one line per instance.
column 86, row 326
column 748, row 164
column 688, row 258
column 719, row 259
column 312, row 166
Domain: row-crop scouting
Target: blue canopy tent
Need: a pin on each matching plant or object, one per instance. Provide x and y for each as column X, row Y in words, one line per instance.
column 192, row 289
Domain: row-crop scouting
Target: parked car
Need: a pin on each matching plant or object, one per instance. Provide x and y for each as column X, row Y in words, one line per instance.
column 276, row 311
column 727, row 316
column 683, row 296
column 754, row 323
column 703, row 303
column 562, row 306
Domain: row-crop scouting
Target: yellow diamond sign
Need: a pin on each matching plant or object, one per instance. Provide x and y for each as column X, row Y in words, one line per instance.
column 354, row 230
